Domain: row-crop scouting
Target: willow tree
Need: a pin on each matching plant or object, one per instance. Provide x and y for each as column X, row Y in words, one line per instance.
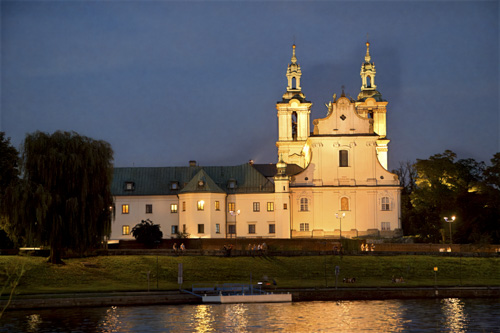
column 64, row 198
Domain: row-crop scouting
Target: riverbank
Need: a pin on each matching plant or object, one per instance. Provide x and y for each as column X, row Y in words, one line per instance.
column 108, row 274
column 298, row 295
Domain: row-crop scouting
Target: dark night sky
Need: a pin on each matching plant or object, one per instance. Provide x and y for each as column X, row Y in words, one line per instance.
column 166, row 82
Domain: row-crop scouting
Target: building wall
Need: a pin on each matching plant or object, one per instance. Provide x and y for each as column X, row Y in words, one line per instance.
column 161, row 214
column 191, row 217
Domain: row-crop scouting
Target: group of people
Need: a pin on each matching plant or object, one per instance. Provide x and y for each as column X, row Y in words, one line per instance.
column 367, row 247
column 179, row 249
column 257, row 248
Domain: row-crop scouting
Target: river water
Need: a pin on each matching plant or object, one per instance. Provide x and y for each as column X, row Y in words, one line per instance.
column 419, row 315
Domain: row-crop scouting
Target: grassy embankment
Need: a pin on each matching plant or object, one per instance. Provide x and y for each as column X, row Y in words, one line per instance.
column 129, row 273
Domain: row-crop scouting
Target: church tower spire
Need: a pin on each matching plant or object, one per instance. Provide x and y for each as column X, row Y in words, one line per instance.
column 371, row 105
column 293, row 73
column 368, row 73
column 293, row 117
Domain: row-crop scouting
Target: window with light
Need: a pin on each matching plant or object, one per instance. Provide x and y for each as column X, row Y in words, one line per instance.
column 344, row 203
column 125, row 230
column 125, row 209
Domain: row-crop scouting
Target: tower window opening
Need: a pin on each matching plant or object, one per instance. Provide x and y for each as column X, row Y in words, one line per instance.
column 368, row 82
column 343, row 158
column 370, row 114
column 294, row 126
column 294, row 83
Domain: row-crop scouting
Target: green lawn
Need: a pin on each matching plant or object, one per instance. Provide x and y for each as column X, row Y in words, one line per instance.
column 129, row 273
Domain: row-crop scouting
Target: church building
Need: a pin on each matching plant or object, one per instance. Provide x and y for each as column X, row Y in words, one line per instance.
column 329, row 182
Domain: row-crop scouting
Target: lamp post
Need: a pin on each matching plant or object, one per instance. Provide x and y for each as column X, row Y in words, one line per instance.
column 435, row 276
column 340, row 216
column 450, row 221
column 235, row 214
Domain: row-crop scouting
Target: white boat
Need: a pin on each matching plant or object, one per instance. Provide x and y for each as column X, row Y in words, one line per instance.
column 261, row 298
column 237, row 293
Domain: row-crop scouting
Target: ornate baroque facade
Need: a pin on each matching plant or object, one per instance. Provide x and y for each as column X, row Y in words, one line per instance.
column 329, row 182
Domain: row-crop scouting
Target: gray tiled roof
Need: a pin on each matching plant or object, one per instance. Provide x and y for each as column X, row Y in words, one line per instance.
column 158, row 180
column 207, row 184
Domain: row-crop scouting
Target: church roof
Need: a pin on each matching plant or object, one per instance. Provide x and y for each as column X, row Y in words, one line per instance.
column 174, row 180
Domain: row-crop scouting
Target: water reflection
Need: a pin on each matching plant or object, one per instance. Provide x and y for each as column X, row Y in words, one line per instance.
column 454, row 318
column 454, row 315
column 33, row 322
column 111, row 321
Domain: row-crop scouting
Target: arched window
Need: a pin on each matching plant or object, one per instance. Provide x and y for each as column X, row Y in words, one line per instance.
column 344, row 203
column 294, row 125
column 343, row 158
column 294, row 83
column 304, row 204
column 368, row 82
column 386, row 203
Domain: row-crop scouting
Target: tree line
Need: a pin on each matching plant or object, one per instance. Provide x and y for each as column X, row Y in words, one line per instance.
column 444, row 186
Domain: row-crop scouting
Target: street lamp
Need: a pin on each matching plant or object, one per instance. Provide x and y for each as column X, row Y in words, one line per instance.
column 435, row 276
column 450, row 221
column 339, row 216
column 234, row 213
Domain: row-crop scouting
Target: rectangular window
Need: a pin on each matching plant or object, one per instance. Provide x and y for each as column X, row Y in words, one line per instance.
column 201, row 228
column 231, row 229
column 230, row 206
column 125, row 230
column 175, row 229
column 285, row 206
column 129, row 186
column 125, row 209
column 270, row 206
column 173, row 208
column 201, row 205
column 184, row 228
column 217, row 228
column 184, row 206
column 256, row 206
column 149, row 209
column 343, row 158
column 386, row 204
column 386, row 226
column 272, row 228
column 304, row 227
column 217, row 205
column 251, row 228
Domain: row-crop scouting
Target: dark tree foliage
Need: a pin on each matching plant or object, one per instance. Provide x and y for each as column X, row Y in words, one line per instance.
column 9, row 173
column 147, row 233
column 465, row 188
column 64, row 197
column 407, row 174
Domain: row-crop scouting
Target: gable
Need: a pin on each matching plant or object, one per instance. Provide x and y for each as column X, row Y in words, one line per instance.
column 342, row 119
